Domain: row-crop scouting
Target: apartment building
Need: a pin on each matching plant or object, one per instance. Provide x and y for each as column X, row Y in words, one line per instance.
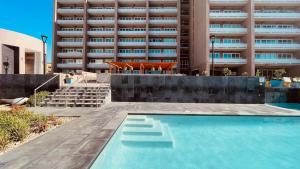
column 250, row 35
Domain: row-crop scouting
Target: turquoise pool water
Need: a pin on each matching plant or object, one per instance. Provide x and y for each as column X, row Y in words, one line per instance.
column 203, row 142
column 294, row 106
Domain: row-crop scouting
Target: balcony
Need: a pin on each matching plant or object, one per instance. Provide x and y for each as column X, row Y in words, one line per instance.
column 70, row 54
column 234, row 61
column 277, row 31
column 71, row 1
column 277, row 2
column 163, row 10
column 69, row 65
column 70, row 33
column 130, row 55
column 100, row 44
column 235, row 16
column 131, row 43
column 277, row 16
column 101, row 22
column 101, row 33
column 70, row 11
column 101, row 1
column 228, row 2
column 70, row 44
column 101, row 11
column 166, row 33
column 169, row 44
column 277, row 61
column 132, row 10
column 100, row 55
column 163, row 21
column 228, row 31
column 69, row 22
column 163, row 55
column 132, row 22
column 272, row 47
column 134, row 33
column 98, row 65
column 229, row 46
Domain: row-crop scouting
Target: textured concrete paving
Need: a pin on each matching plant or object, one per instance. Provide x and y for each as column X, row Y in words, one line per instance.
column 78, row 143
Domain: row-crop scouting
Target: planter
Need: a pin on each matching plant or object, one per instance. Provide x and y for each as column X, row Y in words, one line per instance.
column 276, row 83
column 69, row 80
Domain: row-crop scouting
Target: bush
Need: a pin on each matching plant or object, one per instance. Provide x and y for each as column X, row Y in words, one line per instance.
column 17, row 128
column 40, row 96
column 4, row 139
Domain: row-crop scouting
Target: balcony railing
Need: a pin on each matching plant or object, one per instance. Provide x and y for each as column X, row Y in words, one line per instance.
column 100, row 55
column 70, row 54
column 290, row 61
column 278, row 31
column 101, row 1
column 95, row 33
column 68, row 44
column 229, row 61
column 277, row 46
column 132, row 21
column 131, row 43
column 228, row 2
column 101, row 10
column 131, row 10
column 163, row 10
column 98, row 65
column 70, row 33
column 231, row 16
column 70, row 11
column 163, row 55
column 163, row 21
column 131, row 54
column 277, row 16
column 69, row 65
column 163, row 43
column 228, row 30
column 229, row 46
column 71, row 1
column 277, row 2
column 101, row 22
column 70, row 22
column 163, row 32
column 132, row 32
column 95, row 44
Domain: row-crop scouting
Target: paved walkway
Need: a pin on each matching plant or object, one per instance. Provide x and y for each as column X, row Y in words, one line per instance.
column 78, row 143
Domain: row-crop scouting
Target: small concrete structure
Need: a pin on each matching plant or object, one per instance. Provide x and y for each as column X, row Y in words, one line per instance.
column 23, row 53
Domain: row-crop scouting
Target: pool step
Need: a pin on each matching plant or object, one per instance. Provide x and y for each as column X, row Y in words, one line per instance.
column 144, row 131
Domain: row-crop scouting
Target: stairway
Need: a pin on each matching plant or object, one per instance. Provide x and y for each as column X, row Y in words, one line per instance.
column 77, row 97
column 143, row 131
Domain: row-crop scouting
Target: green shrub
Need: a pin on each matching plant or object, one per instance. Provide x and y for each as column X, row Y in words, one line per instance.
column 17, row 128
column 40, row 96
column 4, row 139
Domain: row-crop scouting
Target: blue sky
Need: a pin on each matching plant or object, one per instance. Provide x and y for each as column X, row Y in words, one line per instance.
column 32, row 17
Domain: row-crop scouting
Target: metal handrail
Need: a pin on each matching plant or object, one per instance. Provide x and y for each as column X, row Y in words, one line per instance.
column 42, row 86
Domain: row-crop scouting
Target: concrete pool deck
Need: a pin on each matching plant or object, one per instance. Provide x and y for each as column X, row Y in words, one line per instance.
column 78, row 143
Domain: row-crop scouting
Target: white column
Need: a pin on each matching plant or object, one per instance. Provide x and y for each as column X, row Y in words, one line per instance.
column 21, row 60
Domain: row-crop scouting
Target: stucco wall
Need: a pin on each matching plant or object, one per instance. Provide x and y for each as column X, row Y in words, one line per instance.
column 25, row 43
column 186, row 89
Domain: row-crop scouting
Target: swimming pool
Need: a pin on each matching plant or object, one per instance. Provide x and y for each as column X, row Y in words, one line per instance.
column 203, row 142
column 293, row 106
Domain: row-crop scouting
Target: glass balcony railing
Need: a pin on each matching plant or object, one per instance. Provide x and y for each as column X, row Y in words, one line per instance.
column 229, row 46
column 162, row 32
column 277, row 46
column 100, row 32
column 71, row 1
column 100, row 54
column 163, row 10
column 95, row 44
column 279, row 31
column 162, row 54
column 131, row 43
column 69, row 65
column 70, row 43
column 70, row 54
column 101, row 22
column 163, row 21
column 131, row 54
column 228, row 30
column 70, row 32
column 228, row 2
column 100, row 2
column 277, row 15
column 277, row 2
column 229, row 61
column 228, row 15
column 123, row 32
column 289, row 61
column 132, row 21
column 70, row 10
column 131, row 10
column 101, row 10
column 98, row 65
column 163, row 43
column 70, row 22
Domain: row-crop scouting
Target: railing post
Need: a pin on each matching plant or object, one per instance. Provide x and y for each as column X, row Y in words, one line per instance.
column 34, row 97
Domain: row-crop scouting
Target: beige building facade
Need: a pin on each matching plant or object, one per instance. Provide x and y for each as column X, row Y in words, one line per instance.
column 23, row 53
column 250, row 35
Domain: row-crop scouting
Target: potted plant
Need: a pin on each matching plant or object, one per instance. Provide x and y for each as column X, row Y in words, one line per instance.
column 227, row 72
column 204, row 73
column 69, row 79
column 277, row 79
column 245, row 74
